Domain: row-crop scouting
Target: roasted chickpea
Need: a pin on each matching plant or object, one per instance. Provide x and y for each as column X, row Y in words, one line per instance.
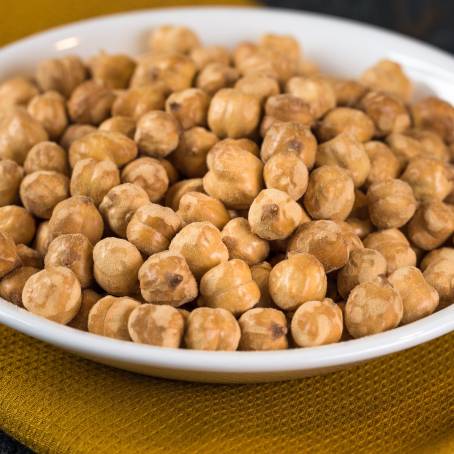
column 249, row 59
column 307, row 67
column 74, row 132
column 179, row 189
column 203, row 56
column 17, row 223
column 42, row 238
column 444, row 253
column 189, row 107
column 351, row 238
column 172, row 38
column 120, row 123
column 216, row 76
column 29, row 257
column 172, row 172
column 12, row 285
column 46, row 156
column 258, row 85
column 17, row 91
column 383, row 162
column 9, row 259
column 432, row 145
column 285, row 44
column 89, row 299
column 439, row 274
column 11, row 175
column 404, row 148
column 360, row 227
column 260, row 274
column 112, row 70
column 348, row 92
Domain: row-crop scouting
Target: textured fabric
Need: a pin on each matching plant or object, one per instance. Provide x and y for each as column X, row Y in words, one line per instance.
column 58, row 403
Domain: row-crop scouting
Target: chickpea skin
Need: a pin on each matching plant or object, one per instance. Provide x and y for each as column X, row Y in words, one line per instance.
column 119, row 123
column 11, row 175
column 213, row 329
column 179, row 189
column 12, row 285
column 260, row 274
column 47, row 156
column 17, row 223
column 17, row 91
column 89, row 299
column 112, row 70
column 172, row 38
column 189, row 107
column 9, row 259
column 383, row 162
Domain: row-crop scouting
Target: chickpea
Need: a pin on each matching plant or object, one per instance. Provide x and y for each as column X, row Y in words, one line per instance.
column 75, row 132
column 324, row 240
column 249, row 59
column 17, row 91
column 158, row 325
column 152, row 227
column 189, row 107
column 383, row 162
column 53, row 293
column 9, row 259
column 109, row 317
column 77, row 214
column 12, row 285
column 317, row 323
column 444, row 253
column 260, row 274
column 203, row 56
column 351, row 238
column 61, row 74
column 285, row 44
column 432, row 225
column 391, row 203
column 360, row 227
column 394, row 247
column 439, row 274
column 388, row 113
column 177, row 191
column 404, row 148
column 172, row 38
column 40, row 191
column 428, row 178
column 190, row 155
column 212, row 329
column 216, row 76
column 364, row 265
column 112, row 70
column 17, row 223
column 330, row 193
column 11, row 175
column 94, row 179
column 258, row 85
column 346, row 120
column 348, row 92
column 120, row 123
column 42, row 238
column 89, row 299
column 200, row 243
column 19, row 131
column 172, row 172
column 307, row 67
column 75, row 252
column 29, row 257
column 46, row 156
column 296, row 280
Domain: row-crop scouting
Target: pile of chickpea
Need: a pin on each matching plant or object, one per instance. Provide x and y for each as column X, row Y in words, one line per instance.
column 219, row 199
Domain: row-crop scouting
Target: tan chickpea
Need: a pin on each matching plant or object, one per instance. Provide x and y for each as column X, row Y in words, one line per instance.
column 75, row 132
column 189, row 107
column 172, row 38
column 285, row 44
column 171, row 170
column 330, row 193
column 109, row 317
column 19, row 131
column 11, row 175
column 75, row 252
column 404, row 148
column 47, row 156
column 200, row 243
column 102, row 145
column 428, row 178
column 325, row 240
column 435, row 115
column 373, row 307
column 233, row 114
column 137, row 101
column 296, row 280
column 12, row 285
column 444, row 253
column 216, row 76
column 234, row 176
column 152, row 227
column 40, row 191
column 203, row 56
column 94, row 179
column 346, row 120
column 394, row 247
column 17, row 91
column 17, row 223
column 317, row 323
column 112, row 70
column 120, row 204
column 383, row 162
column 250, row 60
column 348, row 92
column 177, row 191
column 120, row 123
column 9, row 259
column 190, row 155
column 89, row 299
column 29, row 257
column 149, row 174
column 439, row 274
column 363, row 265
column 260, row 274
column 307, row 67
column 432, row 225
column 351, row 238
column 432, row 145
column 158, row 325
column 258, row 85
column 77, row 214
column 361, row 227
column 213, row 329
column 53, row 293
column 42, row 238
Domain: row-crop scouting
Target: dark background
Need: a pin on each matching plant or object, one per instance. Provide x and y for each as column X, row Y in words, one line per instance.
column 428, row 20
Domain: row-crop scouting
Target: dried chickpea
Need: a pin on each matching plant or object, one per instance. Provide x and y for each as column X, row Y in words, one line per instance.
column 215, row 76
column 189, row 107
column 77, row 214
column 325, row 240
column 149, row 174
column 42, row 238
column 233, row 114
column 159, row 325
column 112, row 70
column 360, row 227
column 432, row 225
column 46, row 156
column 11, row 175
column 260, row 274
column 284, row 44
column 373, row 307
column 9, row 259
column 348, row 92
column 12, row 285
column 200, row 243
column 89, row 299
column 317, row 323
column 444, row 253
column 428, row 178
column 432, row 145
column 203, row 56
column 17, row 91
column 172, row 38
column 351, row 238
column 152, row 227
column 74, row 132
column 440, row 275
column 109, row 317
column 172, row 172
column 40, row 191
column 296, row 280
column 330, row 193
column 101, row 145
column 383, row 162
column 419, row 298
column 404, row 148
column 258, row 85
column 53, row 293
column 394, row 247
column 179, row 189
column 212, row 329
column 120, row 123
column 363, row 265
column 249, row 60
column 19, row 131
column 94, row 179
column 29, row 257
column 346, row 120
column 17, row 223
column 75, row 252
column 307, row 67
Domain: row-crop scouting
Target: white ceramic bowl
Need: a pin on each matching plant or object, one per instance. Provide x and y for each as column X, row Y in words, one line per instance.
column 340, row 47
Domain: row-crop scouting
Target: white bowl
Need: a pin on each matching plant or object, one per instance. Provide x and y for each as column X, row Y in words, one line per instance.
column 340, row 47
